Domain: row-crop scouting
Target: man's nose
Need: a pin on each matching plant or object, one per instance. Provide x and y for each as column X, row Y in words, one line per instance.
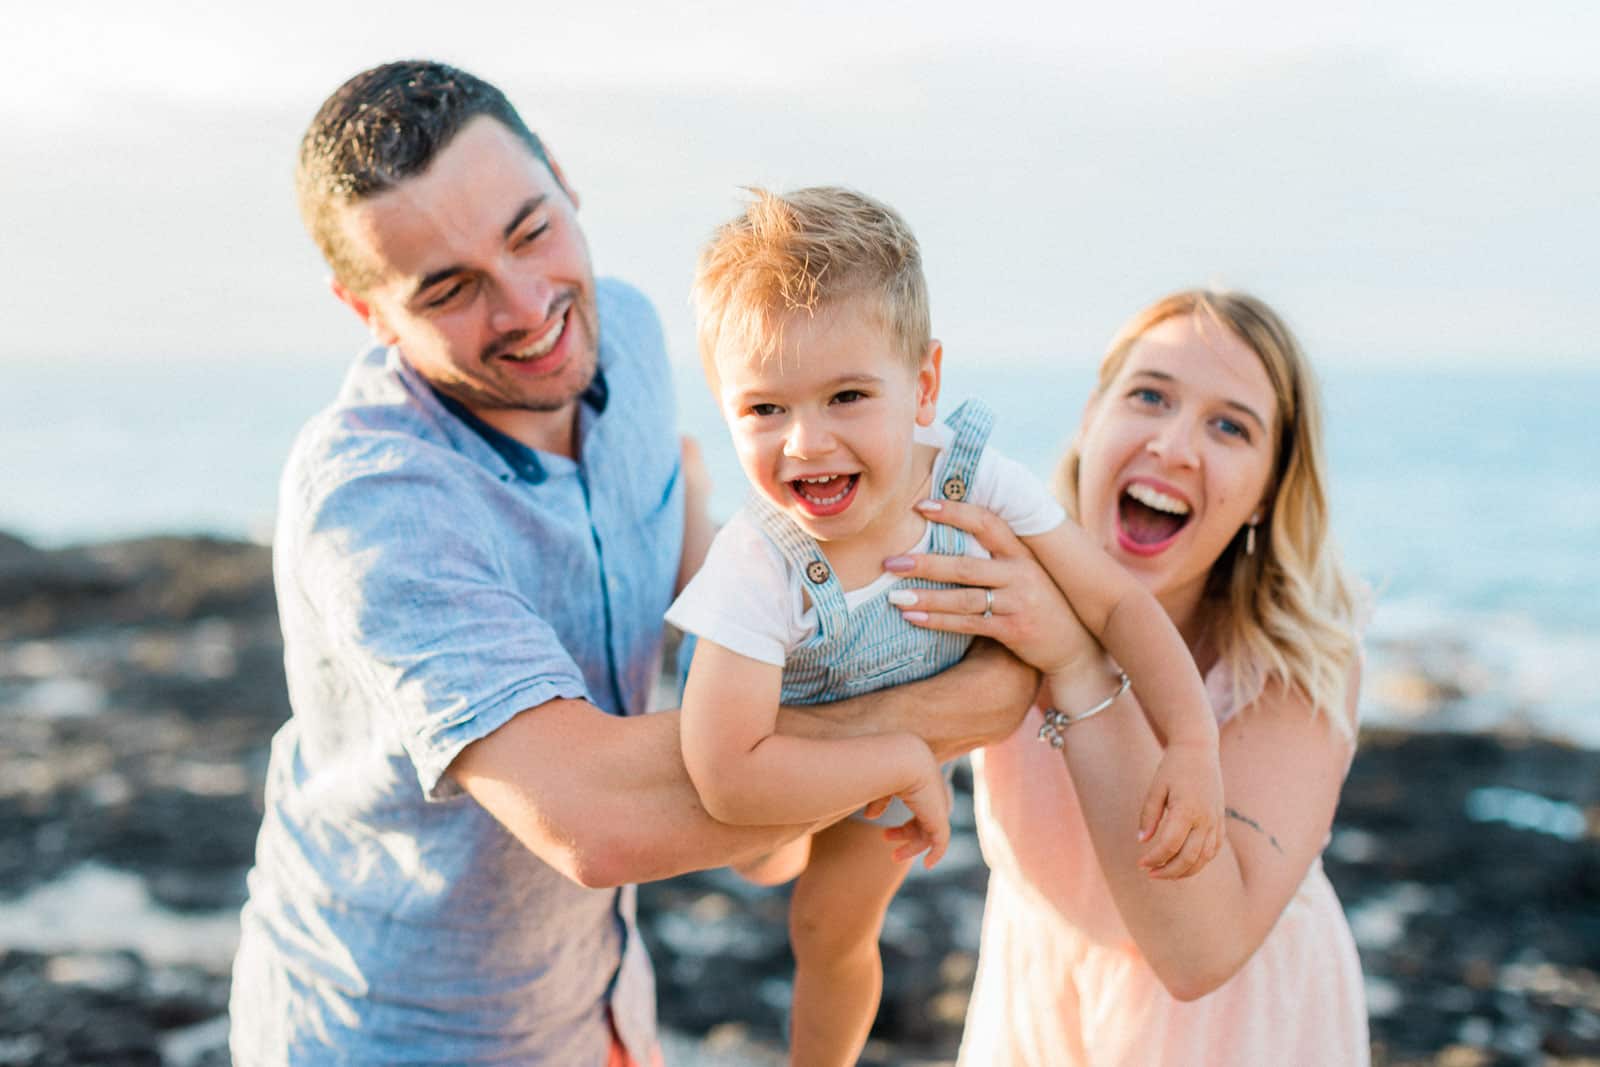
column 521, row 303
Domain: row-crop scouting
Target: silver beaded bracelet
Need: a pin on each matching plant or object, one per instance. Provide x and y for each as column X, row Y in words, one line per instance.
column 1053, row 732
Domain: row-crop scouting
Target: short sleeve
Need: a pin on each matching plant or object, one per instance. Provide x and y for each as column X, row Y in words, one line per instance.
column 1011, row 491
column 740, row 598
column 398, row 566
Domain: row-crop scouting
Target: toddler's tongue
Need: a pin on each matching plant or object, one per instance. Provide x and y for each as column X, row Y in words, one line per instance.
column 1147, row 526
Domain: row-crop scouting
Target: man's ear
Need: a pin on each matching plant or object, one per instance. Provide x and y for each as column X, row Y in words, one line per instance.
column 928, row 383
column 364, row 311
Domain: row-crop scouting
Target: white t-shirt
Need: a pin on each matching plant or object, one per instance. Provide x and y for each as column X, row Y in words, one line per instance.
column 748, row 599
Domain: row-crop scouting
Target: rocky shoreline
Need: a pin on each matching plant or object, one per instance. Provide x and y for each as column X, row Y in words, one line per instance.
column 140, row 682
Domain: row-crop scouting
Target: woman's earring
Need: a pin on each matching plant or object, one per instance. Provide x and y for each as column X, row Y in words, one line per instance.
column 1250, row 540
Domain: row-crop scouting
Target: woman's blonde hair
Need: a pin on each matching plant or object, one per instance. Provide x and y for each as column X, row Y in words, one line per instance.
column 1289, row 612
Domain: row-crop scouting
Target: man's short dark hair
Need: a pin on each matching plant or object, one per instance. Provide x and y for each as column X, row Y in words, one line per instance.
column 379, row 128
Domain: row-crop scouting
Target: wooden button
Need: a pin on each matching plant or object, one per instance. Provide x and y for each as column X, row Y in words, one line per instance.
column 817, row 571
column 955, row 488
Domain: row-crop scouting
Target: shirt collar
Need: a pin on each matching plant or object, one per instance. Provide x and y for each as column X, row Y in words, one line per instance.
column 524, row 461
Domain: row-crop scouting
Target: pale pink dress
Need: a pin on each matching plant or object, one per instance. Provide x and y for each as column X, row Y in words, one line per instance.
column 1060, row 983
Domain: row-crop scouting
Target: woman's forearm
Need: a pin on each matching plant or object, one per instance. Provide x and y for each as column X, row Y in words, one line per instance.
column 1192, row 931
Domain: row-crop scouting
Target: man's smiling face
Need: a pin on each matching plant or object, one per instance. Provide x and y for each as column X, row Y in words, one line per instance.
column 483, row 279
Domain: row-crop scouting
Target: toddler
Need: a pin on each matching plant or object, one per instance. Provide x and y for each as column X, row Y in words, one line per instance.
column 814, row 332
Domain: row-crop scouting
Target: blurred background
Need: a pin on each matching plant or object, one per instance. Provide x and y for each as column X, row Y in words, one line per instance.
column 1411, row 186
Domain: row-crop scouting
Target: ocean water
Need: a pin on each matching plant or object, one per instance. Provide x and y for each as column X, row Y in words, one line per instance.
column 1468, row 498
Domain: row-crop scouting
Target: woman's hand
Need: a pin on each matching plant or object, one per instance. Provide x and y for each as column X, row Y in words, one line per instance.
column 1009, row 597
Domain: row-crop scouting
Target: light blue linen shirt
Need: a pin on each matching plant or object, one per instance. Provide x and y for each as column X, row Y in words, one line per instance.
column 435, row 579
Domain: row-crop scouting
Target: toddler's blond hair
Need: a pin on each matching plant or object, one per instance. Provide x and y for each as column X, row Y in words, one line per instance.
column 809, row 250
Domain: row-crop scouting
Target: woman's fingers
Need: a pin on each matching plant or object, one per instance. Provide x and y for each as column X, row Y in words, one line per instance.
column 952, row 570
column 993, row 532
column 967, row 600
column 954, row 622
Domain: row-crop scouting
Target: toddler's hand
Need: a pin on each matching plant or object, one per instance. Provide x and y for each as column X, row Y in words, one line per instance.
column 929, row 826
column 1182, row 817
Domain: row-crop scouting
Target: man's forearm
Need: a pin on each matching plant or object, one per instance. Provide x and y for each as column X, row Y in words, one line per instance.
column 604, row 800
column 979, row 700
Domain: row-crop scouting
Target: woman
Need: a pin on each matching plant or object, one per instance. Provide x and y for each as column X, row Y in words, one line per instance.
column 1199, row 466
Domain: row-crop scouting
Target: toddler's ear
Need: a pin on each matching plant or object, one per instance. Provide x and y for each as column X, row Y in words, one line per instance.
column 928, row 383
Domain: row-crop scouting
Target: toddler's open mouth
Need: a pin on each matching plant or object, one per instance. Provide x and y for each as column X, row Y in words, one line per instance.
column 825, row 494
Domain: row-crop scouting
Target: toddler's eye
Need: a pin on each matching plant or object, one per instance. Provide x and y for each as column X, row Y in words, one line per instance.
column 848, row 396
column 763, row 410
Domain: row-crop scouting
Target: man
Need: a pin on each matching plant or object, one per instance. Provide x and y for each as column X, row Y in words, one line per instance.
column 476, row 543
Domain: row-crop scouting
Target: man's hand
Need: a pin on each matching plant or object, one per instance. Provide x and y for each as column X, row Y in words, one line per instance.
column 978, row 701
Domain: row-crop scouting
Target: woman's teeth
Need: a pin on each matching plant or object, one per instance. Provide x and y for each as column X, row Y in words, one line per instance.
column 1157, row 500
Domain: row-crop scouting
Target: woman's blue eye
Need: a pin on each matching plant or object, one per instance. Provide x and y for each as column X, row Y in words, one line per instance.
column 1233, row 429
column 1146, row 396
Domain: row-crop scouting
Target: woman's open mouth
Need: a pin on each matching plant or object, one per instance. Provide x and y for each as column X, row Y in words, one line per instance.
column 1148, row 520
column 826, row 494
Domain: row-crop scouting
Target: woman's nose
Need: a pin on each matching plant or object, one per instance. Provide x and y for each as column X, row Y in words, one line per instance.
column 1174, row 443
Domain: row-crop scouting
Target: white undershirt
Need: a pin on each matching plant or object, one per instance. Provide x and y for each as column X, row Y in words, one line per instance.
column 748, row 599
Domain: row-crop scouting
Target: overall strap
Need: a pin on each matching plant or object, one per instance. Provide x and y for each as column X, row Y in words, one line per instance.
column 803, row 554
column 971, row 422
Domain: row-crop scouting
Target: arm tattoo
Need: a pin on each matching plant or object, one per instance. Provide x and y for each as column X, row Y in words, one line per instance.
column 1248, row 821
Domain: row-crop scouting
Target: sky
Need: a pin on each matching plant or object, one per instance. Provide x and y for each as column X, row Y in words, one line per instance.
column 1410, row 183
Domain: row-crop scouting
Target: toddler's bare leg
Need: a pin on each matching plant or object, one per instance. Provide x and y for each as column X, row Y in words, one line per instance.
column 835, row 916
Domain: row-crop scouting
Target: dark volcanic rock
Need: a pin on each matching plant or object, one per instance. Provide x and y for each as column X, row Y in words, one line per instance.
column 140, row 683
column 138, row 583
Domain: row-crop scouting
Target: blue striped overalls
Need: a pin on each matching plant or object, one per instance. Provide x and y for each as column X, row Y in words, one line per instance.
column 872, row 647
